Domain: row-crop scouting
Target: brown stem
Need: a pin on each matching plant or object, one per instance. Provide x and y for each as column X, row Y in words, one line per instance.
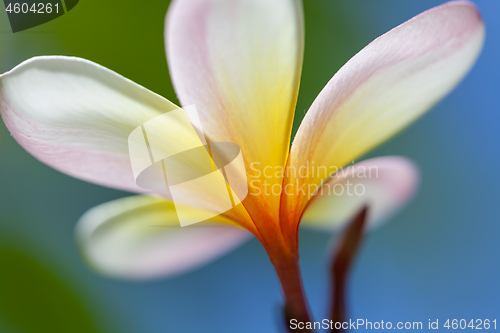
column 342, row 262
column 296, row 308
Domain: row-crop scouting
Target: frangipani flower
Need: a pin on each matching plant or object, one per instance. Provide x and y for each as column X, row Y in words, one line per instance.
column 239, row 63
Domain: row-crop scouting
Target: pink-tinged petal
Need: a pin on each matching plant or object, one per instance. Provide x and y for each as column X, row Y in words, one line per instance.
column 383, row 184
column 76, row 116
column 239, row 62
column 382, row 89
column 140, row 238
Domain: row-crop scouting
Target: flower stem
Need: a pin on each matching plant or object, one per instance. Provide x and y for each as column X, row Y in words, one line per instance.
column 343, row 259
column 296, row 307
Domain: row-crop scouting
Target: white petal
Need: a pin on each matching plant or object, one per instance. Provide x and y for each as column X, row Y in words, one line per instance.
column 140, row 238
column 383, row 88
column 76, row 116
column 239, row 62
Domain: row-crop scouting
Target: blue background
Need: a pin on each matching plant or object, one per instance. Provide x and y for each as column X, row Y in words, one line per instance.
column 438, row 258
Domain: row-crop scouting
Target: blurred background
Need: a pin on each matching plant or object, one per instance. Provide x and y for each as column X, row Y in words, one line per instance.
column 437, row 259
